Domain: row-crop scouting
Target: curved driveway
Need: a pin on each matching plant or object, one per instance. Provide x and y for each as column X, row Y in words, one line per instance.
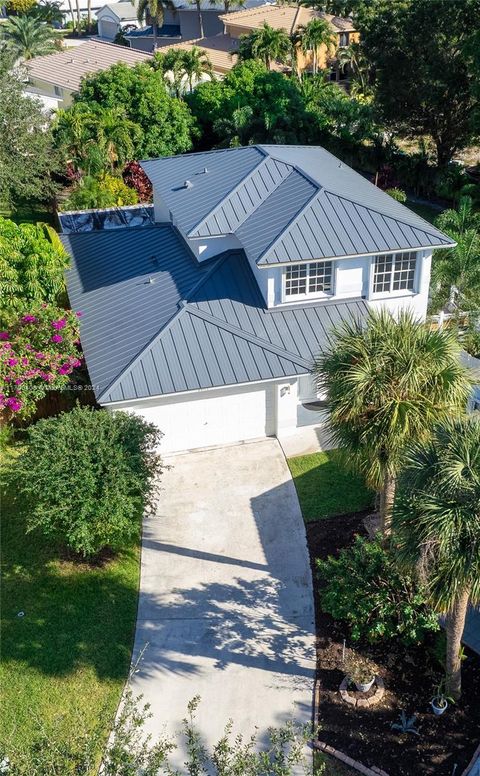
column 226, row 603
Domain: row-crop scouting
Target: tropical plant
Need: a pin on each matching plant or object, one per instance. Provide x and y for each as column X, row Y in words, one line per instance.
column 353, row 57
column 456, row 270
column 198, row 6
column 315, row 36
column 31, row 266
column 397, row 194
column 48, row 11
column 117, row 136
column 135, row 178
column 228, row 5
column 266, row 44
column 367, row 590
column 38, row 352
column 387, row 382
column 153, row 12
column 102, row 191
column 24, row 36
column 195, row 64
column 19, row 7
column 89, row 495
column 334, row 114
column 406, row 724
column 27, row 156
column 436, row 521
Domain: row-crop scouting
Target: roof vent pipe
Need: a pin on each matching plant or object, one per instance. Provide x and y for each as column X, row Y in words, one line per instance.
column 205, row 170
column 188, row 185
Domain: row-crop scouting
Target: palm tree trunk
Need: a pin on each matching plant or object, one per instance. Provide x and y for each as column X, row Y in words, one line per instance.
column 455, row 624
column 89, row 16
column 79, row 19
column 314, row 61
column 155, row 31
column 200, row 18
column 387, row 497
column 72, row 12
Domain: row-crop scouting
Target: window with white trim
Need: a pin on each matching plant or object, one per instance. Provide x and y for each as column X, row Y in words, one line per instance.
column 394, row 272
column 314, row 278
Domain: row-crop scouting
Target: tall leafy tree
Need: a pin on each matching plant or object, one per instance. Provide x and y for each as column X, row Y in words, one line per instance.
column 266, row 44
column 387, row 383
column 437, row 516
column 49, row 12
column 418, row 49
column 27, row 156
column 153, row 12
column 315, row 36
column 195, row 63
column 353, row 57
column 26, row 38
column 456, row 271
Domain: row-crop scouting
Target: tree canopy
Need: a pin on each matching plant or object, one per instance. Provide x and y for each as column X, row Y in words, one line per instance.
column 419, row 51
column 165, row 124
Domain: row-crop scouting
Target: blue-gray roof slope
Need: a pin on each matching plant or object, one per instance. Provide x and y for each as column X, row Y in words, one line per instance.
column 241, row 190
column 155, row 322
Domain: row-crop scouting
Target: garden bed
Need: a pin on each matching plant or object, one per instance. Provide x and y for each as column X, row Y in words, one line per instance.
column 410, row 676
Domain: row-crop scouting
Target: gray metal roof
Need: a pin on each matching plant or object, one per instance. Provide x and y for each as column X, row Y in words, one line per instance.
column 195, row 326
column 286, row 203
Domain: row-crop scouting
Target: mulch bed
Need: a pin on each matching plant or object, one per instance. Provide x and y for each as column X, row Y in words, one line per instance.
column 410, row 676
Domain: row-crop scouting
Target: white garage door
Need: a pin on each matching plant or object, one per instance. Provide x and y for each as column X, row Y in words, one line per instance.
column 107, row 29
column 212, row 418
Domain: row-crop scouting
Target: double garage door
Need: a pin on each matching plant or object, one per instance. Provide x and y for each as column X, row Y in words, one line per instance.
column 213, row 417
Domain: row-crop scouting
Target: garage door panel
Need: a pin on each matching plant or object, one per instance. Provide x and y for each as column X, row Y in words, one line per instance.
column 213, row 419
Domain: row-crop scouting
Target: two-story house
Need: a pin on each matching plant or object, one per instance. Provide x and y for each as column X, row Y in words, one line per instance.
column 205, row 313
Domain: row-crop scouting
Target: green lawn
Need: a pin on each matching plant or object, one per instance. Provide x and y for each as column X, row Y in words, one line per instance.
column 65, row 661
column 325, row 487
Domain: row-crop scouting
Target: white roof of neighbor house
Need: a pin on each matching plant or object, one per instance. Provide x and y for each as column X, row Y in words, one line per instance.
column 67, row 68
column 284, row 17
column 124, row 11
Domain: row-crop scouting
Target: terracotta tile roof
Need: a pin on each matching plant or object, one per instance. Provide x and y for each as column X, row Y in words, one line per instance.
column 283, row 17
column 67, row 68
column 218, row 48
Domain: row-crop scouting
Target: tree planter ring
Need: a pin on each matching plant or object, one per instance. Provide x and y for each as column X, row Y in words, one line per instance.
column 365, row 703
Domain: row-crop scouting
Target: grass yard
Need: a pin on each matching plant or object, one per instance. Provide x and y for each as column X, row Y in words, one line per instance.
column 65, row 661
column 326, row 488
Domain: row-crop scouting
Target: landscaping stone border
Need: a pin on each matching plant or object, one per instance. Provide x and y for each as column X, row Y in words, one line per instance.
column 364, row 703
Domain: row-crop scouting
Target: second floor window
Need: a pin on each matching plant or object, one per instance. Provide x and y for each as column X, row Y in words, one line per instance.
column 394, row 272
column 315, row 278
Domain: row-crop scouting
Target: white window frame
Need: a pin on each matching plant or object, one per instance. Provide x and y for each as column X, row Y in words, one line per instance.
column 308, row 294
column 391, row 292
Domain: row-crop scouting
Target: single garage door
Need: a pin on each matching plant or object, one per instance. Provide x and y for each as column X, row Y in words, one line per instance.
column 212, row 417
column 107, row 29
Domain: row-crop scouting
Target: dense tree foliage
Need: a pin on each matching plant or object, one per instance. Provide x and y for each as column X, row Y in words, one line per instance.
column 266, row 44
column 31, row 266
column 88, row 475
column 26, row 38
column 164, row 123
column 100, row 191
column 418, row 49
column 27, row 156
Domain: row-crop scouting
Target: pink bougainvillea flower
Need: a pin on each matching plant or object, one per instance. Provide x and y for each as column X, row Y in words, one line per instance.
column 57, row 338
column 12, row 361
column 7, row 346
column 14, row 404
column 25, row 361
column 60, row 324
column 29, row 319
column 4, row 335
column 79, row 314
column 18, row 381
column 65, row 369
column 40, row 356
column 29, row 347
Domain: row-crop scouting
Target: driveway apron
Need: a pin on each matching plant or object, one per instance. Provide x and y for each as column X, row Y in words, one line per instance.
column 226, row 602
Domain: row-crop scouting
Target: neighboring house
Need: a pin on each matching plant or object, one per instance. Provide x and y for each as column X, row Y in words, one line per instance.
column 112, row 18
column 58, row 76
column 288, row 18
column 204, row 313
column 185, row 23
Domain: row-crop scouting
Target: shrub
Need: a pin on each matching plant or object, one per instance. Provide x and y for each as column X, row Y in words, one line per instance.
column 20, row 6
column 397, row 194
column 365, row 588
column 134, row 176
column 39, row 349
column 87, row 475
column 100, row 192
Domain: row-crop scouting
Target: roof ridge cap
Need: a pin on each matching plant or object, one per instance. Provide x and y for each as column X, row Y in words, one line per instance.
column 232, row 190
column 237, row 331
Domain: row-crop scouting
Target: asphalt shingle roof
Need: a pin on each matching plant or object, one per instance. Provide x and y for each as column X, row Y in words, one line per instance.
column 304, row 201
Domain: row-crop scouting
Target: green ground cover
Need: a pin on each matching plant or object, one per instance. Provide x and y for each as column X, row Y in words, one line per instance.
column 64, row 663
column 326, row 487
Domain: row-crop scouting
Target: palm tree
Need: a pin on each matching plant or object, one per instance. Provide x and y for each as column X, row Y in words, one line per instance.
column 229, row 4
column 313, row 36
column 195, row 63
column 456, row 271
column 26, row 38
column 437, row 513
column 198, row 5
column 72, row 130
column 48, row 11
column 267, row 44
column 116, row 136
column 353, row 57
column 387, row 383
column 153, row 11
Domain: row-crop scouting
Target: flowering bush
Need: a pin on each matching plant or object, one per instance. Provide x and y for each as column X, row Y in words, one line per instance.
column 134, row 176
column 87, row 476
column 39, row 350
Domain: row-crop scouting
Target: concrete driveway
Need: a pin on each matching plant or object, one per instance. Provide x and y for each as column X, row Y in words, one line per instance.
column 226, row 603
